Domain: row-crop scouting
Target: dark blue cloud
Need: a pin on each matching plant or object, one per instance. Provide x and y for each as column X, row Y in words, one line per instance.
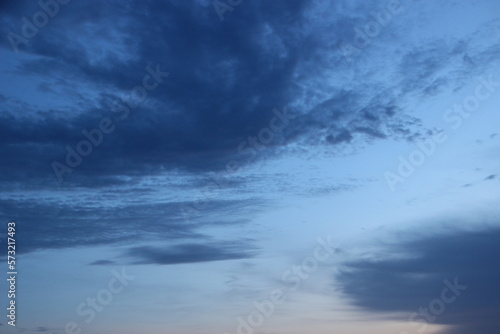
column 55, row 224
column 102, row 262
column 409, row 275
column 191, row 253
column 224, row 81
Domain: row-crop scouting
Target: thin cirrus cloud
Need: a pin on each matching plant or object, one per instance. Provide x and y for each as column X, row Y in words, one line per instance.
column 414, row 277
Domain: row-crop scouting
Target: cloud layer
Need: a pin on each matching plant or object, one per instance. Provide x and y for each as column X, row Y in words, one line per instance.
column 407, row 276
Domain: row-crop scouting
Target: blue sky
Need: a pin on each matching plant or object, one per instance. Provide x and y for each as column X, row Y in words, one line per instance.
column 267, row 167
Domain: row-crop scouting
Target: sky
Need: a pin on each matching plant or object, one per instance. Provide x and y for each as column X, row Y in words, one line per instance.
column 250, row 167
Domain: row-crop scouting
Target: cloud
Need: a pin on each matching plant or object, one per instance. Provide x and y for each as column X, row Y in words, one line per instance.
column 409, row 275
column 56, row 224
column 225, row 80
column 92, row 56
column 191, row 253
column 101, row 262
